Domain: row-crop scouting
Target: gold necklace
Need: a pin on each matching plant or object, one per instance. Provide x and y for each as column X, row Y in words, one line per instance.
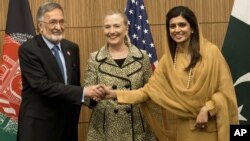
column 190, row 70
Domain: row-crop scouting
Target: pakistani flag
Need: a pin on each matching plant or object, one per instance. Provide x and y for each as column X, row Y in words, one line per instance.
column 19, row 28
column 236, row 50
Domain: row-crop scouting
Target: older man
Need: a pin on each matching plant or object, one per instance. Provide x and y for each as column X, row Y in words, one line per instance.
column 51, row 95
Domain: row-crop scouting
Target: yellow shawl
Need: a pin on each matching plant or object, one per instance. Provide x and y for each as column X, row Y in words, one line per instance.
column 211, row 84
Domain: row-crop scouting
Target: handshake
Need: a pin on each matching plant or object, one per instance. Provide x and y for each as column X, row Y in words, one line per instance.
column 99, row 92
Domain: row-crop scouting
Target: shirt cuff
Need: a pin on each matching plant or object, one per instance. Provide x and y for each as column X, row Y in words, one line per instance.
column 83, row 96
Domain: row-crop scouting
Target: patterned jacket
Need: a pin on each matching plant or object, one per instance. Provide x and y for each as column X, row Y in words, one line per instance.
column 109, row 120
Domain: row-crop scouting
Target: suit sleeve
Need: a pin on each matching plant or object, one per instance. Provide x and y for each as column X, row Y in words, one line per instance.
column 38, row 77
column 90, row 79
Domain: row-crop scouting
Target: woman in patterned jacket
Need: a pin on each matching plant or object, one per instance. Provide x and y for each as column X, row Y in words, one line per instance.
column 125, row 67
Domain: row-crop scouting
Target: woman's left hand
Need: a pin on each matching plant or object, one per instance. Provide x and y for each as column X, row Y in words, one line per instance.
column 202, row 118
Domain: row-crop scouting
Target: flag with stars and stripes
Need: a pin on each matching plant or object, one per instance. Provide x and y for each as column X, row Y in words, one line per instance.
column 236, row 50
column 19, row 28
column 139, row 30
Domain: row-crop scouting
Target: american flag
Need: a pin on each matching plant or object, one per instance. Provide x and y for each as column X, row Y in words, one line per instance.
column 139, row 30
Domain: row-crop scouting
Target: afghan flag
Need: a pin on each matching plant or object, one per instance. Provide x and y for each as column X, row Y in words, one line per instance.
column 19, row 28
column 236, row 50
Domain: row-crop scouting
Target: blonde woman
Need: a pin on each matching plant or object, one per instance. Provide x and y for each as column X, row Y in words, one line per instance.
column 123, row 66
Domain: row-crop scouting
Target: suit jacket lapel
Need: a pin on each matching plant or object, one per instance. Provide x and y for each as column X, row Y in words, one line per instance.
column 67, row 57
column 49, row 57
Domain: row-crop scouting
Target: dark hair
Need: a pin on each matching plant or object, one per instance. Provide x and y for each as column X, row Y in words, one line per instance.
column 194, row 46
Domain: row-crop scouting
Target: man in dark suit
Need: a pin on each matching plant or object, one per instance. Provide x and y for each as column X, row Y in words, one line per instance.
column 51, row 94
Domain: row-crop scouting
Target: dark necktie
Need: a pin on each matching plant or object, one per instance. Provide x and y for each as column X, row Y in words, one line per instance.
column 58, row 59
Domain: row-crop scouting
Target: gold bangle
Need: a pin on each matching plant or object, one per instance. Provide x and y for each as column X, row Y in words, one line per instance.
column 210, row 105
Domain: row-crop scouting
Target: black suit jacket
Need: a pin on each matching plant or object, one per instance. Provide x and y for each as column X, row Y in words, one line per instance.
column 49, row 109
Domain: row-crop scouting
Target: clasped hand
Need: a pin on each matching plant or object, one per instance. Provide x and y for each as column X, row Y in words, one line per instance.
column 98, row 92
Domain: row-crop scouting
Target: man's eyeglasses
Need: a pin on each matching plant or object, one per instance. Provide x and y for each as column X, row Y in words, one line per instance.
column 53, row 23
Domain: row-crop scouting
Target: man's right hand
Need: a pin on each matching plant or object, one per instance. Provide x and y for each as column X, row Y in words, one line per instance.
column 95, row 92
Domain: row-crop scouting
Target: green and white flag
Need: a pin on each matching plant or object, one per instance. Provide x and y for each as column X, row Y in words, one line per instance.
column 236, row 50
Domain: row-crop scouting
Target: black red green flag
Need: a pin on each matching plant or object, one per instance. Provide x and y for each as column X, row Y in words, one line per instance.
column 19, row 28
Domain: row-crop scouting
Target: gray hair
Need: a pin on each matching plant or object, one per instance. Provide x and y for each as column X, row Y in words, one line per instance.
column 47, row 7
